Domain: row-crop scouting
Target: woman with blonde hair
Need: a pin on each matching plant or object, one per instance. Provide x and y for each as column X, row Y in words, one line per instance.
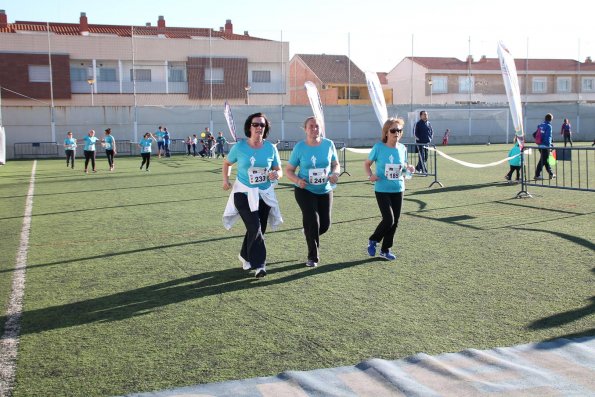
column 390, row 157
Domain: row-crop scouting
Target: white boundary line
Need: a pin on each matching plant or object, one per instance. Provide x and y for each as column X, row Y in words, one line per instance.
column 9, row 341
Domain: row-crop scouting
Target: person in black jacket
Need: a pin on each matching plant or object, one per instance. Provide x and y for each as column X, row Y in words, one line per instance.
column 423, row 134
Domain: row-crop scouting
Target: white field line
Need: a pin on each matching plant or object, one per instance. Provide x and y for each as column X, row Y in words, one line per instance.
column 9, row 341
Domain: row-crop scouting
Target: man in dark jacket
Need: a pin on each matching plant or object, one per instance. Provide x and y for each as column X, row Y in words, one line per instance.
column 423, row 135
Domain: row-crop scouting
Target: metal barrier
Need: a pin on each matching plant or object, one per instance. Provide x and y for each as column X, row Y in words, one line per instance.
column 27, row 150
column 426, row 161
column 573, row 169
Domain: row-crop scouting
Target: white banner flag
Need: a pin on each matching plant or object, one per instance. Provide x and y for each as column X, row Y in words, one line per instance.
column 230, row 122
column 2, row 146
column 377, row 97
column 316, row 104
column 513, row 92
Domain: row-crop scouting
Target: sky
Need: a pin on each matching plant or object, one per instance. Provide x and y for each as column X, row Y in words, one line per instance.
column 376, row 34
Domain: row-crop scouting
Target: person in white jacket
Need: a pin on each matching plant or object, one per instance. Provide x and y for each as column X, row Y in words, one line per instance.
column 253, row 197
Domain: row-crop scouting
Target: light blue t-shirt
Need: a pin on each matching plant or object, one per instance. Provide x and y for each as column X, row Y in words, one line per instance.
column 159, row 135
column 70, row 144
column 390, row 167
column 254, row 164
column 109, row 142
column 145, row 145
column 314, row 164
column 90, row 143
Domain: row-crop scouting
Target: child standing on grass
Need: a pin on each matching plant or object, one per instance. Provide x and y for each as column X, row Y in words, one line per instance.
column 515, row 163
column 145, row 149
column 69, row 149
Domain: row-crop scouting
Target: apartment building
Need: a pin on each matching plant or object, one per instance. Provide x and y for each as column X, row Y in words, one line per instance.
column 436, row 80
column 112, row 65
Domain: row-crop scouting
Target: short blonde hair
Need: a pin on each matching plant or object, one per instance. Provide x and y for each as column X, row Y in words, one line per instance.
column 388, row 123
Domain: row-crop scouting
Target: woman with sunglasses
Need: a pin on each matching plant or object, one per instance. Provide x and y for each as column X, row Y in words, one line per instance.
column 319, row 170
column 390, row 157
column 252, row 197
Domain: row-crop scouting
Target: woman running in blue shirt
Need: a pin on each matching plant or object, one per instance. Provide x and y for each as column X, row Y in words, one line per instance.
column 316, row 158
column 253, row 196
column 390, row 157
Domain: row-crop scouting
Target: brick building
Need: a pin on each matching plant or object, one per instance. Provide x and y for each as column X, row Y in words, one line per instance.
column 157, row 65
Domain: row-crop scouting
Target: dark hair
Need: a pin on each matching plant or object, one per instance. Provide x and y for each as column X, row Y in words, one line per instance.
column 108, row 131
column 422, row 112
column 249, row 122
column 548, row 117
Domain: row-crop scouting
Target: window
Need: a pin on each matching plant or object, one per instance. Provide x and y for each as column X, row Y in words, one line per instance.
column 39, row 73
column 588, row 84
column 141, row 74
column 466, row 84
column 216, row 73
column 439, row 85
column 563, row 84
column 106, row 74
column 539, row 85
column 177, row 75
column 261, row 76
column 78, row 74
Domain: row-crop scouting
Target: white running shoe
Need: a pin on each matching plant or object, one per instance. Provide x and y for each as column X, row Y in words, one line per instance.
column 245, row 264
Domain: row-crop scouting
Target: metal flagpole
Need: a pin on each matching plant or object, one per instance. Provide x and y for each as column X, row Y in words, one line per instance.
column 52, row 120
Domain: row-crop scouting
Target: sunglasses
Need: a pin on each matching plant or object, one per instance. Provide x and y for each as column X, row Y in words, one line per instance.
column 395, row 130
column 261, row 125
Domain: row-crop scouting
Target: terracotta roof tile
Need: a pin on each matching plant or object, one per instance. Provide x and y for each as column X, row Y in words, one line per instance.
column 439, row 63
column 333, row 69
column 124, row 31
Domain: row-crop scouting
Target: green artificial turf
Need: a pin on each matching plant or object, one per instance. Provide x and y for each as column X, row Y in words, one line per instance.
column 134, row 285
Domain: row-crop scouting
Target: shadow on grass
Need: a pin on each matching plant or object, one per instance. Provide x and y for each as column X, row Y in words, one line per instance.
column 136, row 205
column 160, row 247
column 566, row 317
column 140, row 301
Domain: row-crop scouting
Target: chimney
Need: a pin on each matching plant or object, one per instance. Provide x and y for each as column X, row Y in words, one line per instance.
column 246, row 33
column 483, row 59
column 228, row 27
column 148, row 24
column 161, row 22
column 588, row 60
column 83, row 25
column 3, row 19
column 221, row 28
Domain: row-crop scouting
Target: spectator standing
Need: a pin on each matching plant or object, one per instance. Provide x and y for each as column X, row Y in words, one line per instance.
column 566, row 131
column 423, row 135
column 220, row 148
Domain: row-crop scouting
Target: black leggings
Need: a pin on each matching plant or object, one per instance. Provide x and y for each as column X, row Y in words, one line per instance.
column 110, row 157
column 70, row 157
column 146, row 159
column 390, row 208
column 514, row 168
column 316, row 218
column 253, row 249
column 90, row 155
column 545, row 154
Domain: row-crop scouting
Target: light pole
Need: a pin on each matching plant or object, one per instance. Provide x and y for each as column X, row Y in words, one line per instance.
column 91, row 82
column 247, row 88
column 430, row 84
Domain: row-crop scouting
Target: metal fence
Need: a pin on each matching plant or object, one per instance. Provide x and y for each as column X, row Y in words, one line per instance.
column 572, row 169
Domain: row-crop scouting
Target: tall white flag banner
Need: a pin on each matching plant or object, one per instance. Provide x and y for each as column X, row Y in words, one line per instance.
column 2, row 146
column 230, row 122
column 377, row 97
column 316, row 104
column 513, row 92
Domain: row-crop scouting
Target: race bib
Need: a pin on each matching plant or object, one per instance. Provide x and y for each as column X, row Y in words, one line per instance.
column 392, row 172
column 317, row 176
column 146, row 149
column 71, row 147
column 257, row 175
